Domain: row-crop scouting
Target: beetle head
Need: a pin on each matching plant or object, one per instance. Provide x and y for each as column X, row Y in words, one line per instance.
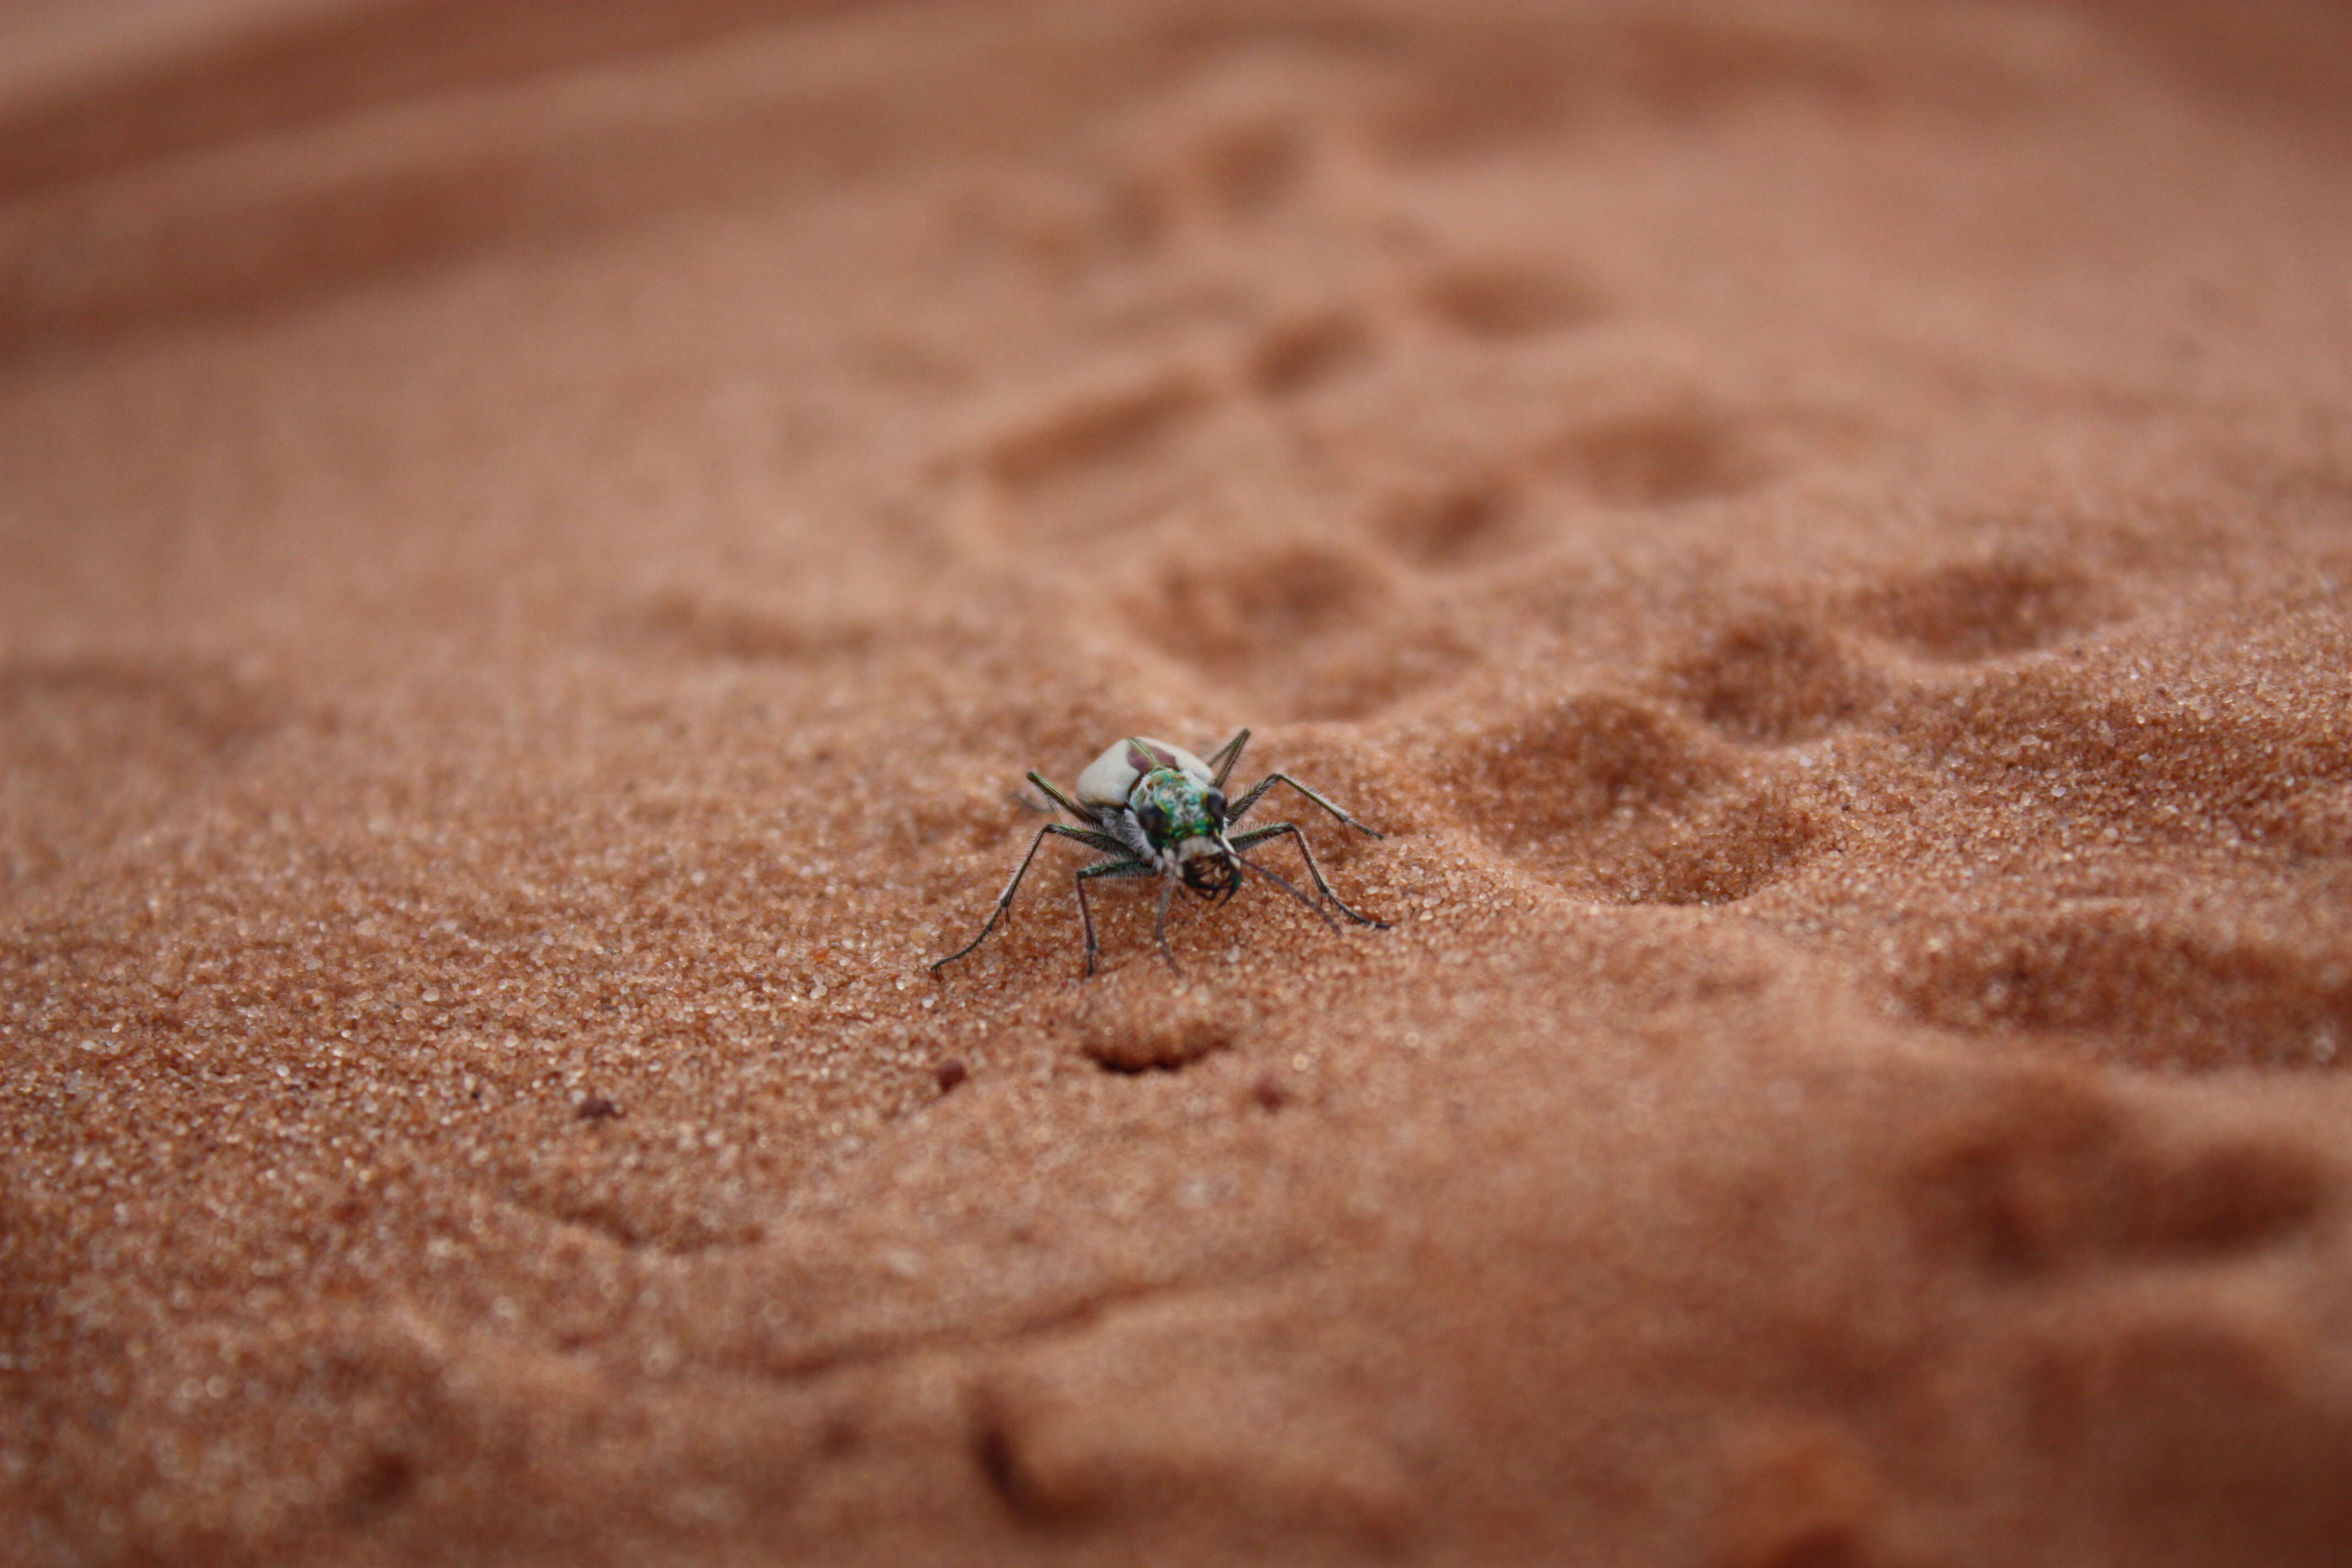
column 1183, row 820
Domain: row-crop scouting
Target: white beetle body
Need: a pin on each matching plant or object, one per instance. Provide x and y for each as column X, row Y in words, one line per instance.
column 1110, row 778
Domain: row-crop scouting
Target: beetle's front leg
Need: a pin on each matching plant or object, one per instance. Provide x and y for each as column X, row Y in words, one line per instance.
column 1106, row 870
column 1257, row 836
column 1243, row 806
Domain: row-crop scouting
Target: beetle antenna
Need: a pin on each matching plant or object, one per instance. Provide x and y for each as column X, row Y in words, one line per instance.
column 1284, row 883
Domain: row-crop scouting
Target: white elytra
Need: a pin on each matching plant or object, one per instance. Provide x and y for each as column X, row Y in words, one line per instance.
column 1110, row 778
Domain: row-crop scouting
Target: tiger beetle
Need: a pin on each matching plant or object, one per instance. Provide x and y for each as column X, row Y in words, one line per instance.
column 1151, row 809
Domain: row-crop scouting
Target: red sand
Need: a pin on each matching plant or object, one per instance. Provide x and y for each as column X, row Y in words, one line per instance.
column 534, row 547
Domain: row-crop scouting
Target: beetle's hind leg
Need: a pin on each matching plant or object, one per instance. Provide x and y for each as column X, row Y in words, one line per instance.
column 1053, row 792
column 1257, row 836
column 1221, row 760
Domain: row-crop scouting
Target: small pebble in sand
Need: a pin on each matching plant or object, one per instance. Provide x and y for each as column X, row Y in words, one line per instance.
column 596, row 1108
column 1267, row 1093
column 950, row 1073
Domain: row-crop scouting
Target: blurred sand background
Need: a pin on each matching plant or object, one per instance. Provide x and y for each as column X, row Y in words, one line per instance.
column 536, row 543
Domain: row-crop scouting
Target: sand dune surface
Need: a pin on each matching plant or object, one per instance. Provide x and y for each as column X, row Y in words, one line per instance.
column 538, row 545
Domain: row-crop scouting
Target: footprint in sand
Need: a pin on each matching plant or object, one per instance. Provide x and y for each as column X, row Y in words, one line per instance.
column 1308, row 630
column 1773, row 679
column 1623, row 801
column 2073, row 1181
column 2128, row 967
column 1985, row 608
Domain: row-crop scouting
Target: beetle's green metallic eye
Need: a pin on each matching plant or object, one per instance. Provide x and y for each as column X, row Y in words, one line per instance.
column 1152, row 820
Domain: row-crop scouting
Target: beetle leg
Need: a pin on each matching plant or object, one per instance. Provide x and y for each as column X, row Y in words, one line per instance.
column 1054, row 794
column 1317, row 911
column 1222, row 762
column 1257, row 836
column 1101, row 841
column 1160, row 922
column 1114, row 869
column 1241, row 807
